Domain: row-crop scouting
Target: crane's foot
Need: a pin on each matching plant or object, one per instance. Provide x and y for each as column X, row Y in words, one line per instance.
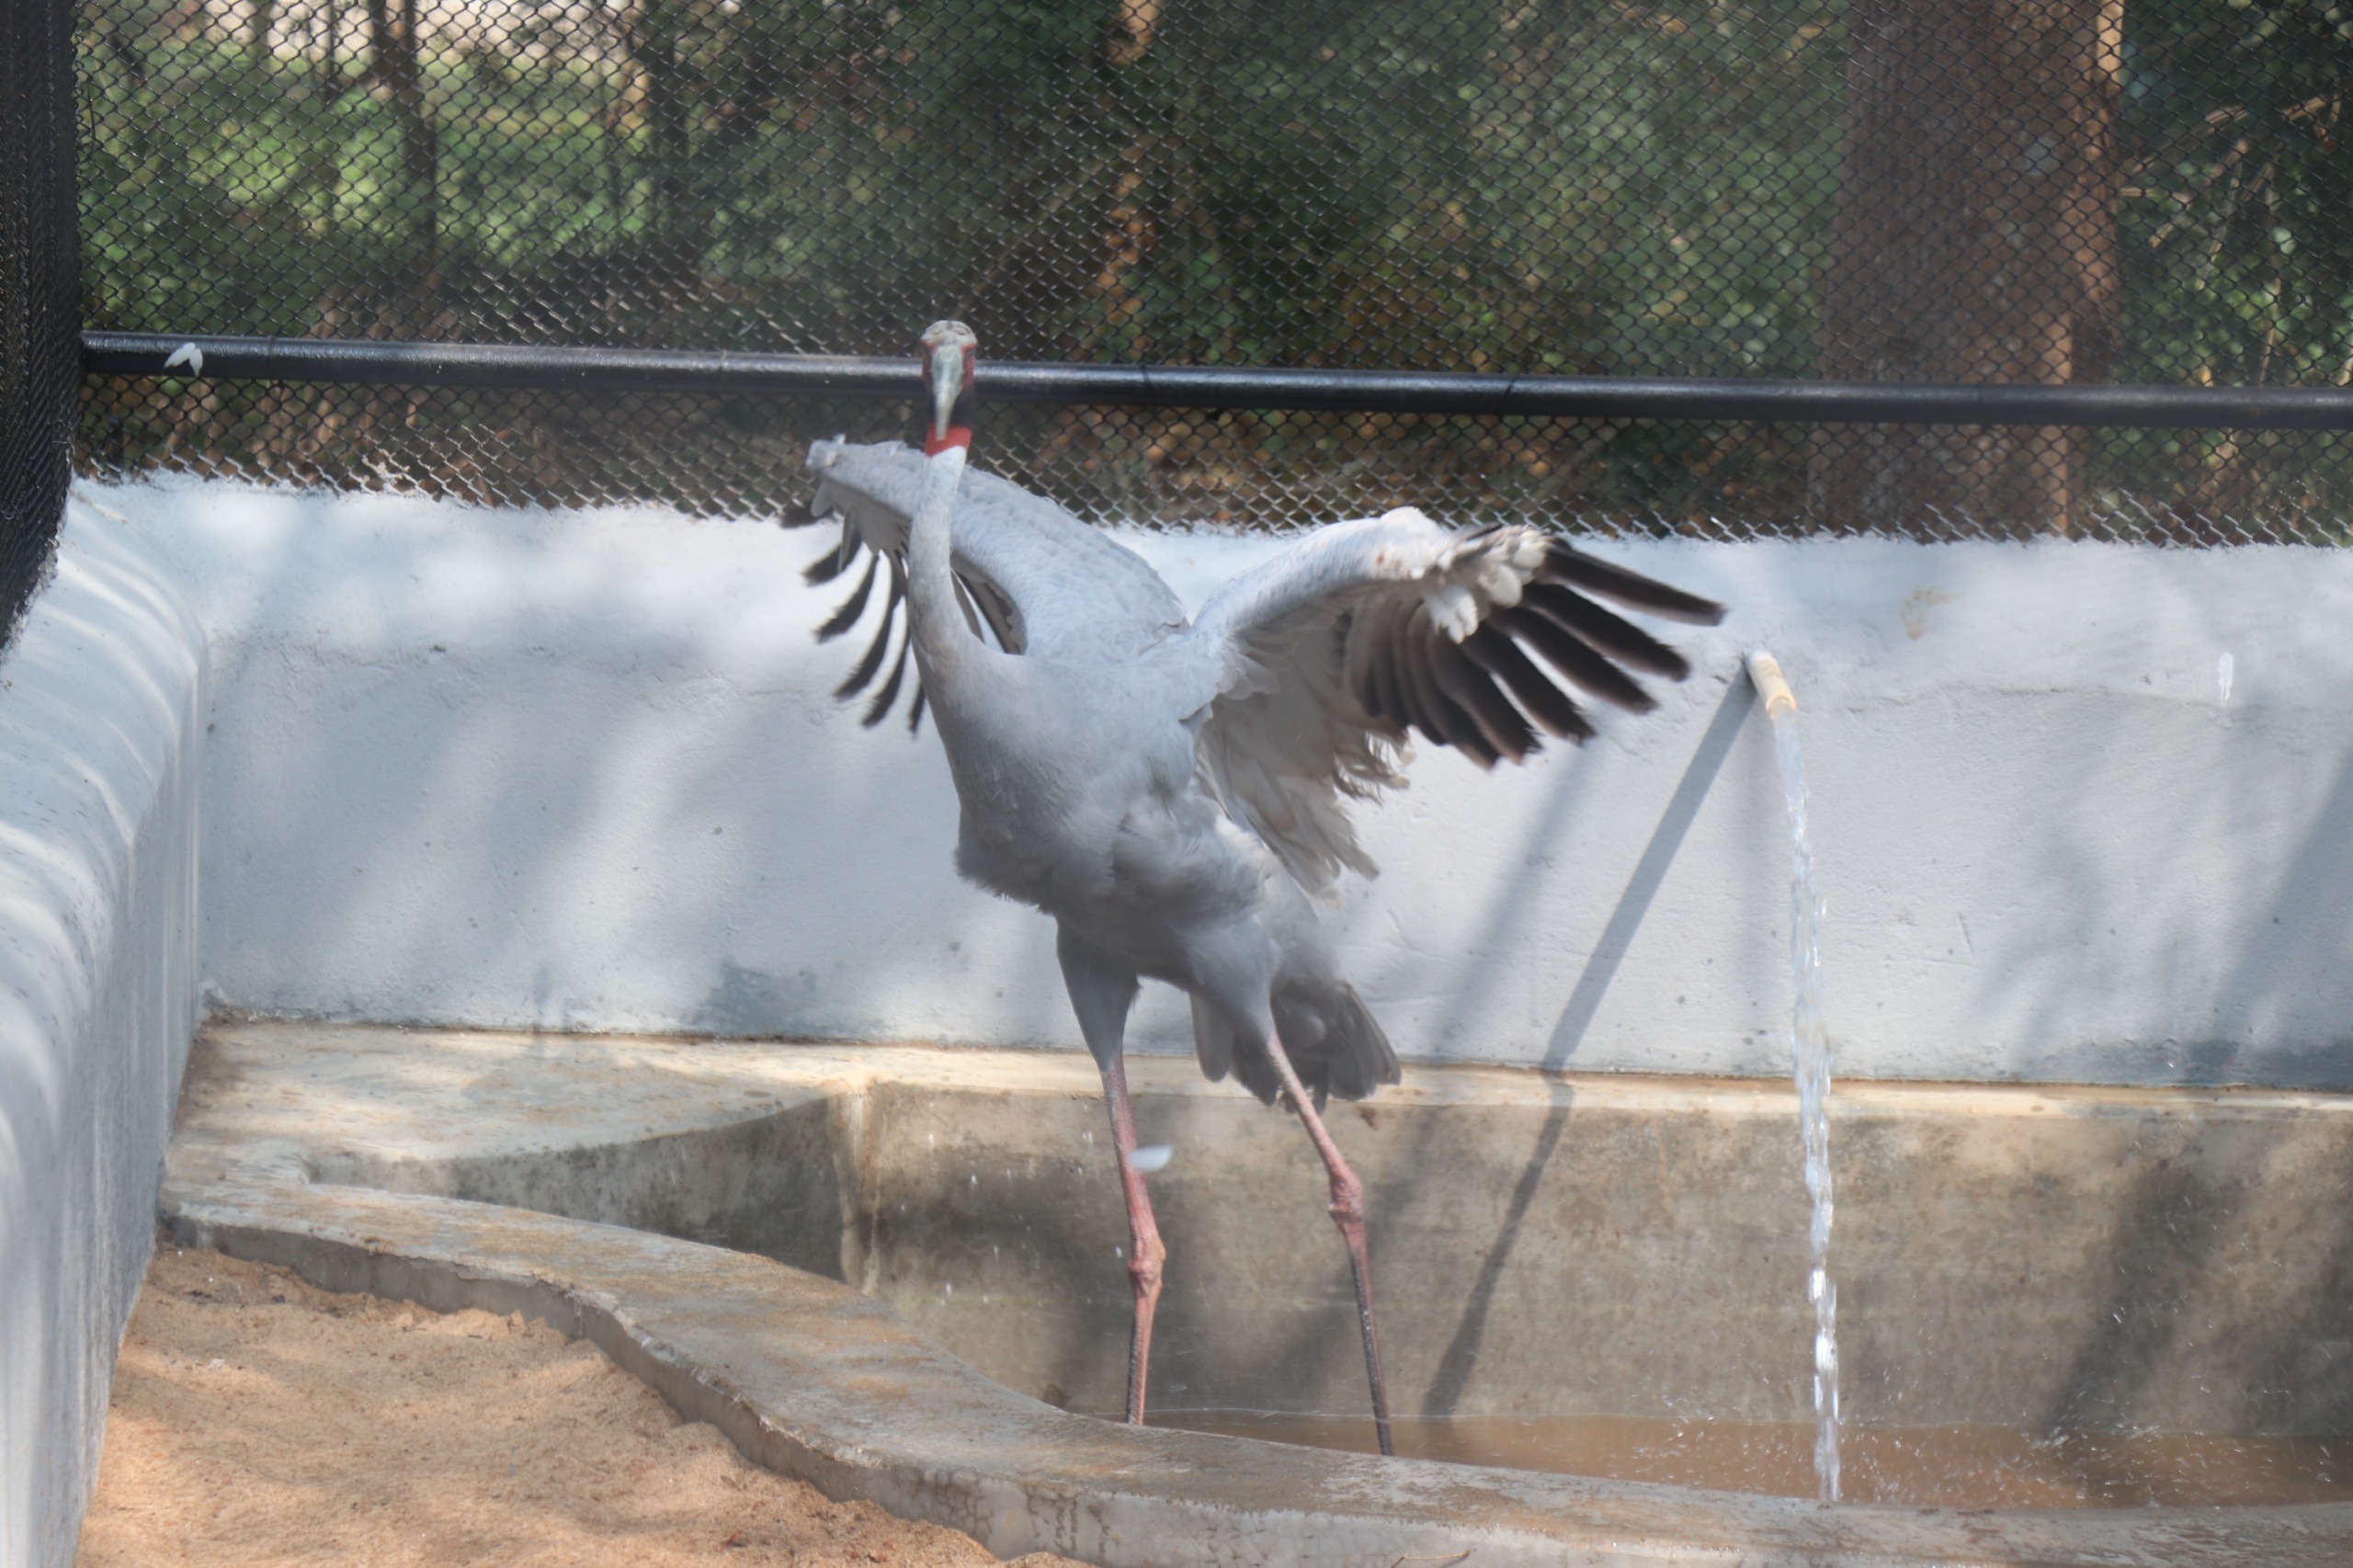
column 1347, row 1213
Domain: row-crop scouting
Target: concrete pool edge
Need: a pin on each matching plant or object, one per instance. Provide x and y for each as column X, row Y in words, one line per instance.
column 810, row 1380
column 1605, row 1246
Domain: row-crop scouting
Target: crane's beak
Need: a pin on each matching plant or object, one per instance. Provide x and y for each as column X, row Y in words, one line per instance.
column 948, row 350
column 946, row 372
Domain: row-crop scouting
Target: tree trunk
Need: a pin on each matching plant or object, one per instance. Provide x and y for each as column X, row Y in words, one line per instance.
column 264, row 18
column 399, row 69
column 666, row 112
column 1976, row 241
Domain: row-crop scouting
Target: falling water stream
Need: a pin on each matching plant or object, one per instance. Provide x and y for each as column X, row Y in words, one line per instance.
column 1810, row 1060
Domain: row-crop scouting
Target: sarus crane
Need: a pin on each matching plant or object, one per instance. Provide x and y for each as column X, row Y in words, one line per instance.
column 1173, row 791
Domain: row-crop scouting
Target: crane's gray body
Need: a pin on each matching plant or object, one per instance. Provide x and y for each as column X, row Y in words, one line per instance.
column 1081, row 794
column 1172, row 791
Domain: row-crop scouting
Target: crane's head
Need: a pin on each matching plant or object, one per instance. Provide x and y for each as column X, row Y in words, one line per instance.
column 948, row 349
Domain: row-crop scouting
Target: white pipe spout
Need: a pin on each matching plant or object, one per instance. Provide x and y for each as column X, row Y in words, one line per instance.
column 1765, row 674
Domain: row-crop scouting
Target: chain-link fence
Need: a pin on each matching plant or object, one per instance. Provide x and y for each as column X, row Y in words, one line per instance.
column 1892, row 190
column 39, row 304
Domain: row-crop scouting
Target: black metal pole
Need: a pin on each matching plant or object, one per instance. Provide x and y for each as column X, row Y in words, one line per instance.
column 1173, row 386
column 41, row 289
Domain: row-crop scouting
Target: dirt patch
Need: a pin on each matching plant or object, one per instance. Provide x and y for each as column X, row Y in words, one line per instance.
column 257, row 1421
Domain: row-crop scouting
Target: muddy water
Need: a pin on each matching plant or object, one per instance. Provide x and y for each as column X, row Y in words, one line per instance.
column 1952, row 1466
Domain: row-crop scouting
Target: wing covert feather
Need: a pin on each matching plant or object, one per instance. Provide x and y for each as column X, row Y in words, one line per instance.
column 1340, row 645
column 1323, row 659
column 1052, row 582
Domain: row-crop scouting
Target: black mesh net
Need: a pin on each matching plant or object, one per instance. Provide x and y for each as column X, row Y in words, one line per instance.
column 40, row 351
column 1913, row 191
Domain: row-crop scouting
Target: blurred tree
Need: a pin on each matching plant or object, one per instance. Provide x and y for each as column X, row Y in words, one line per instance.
column 396, row 66
column 1605, row 186
column 1975, row 241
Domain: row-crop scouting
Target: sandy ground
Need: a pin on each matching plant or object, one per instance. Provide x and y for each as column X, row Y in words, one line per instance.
column 259, row 1421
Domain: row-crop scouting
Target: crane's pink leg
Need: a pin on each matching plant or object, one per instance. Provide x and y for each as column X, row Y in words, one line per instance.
column 1145, row 1254
column 1348, row 1213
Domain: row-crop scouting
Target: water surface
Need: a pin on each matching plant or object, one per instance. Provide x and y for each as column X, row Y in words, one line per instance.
column 1949, row 1467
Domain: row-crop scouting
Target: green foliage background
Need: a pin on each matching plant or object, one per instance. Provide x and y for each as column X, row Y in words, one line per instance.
column 1526, row 185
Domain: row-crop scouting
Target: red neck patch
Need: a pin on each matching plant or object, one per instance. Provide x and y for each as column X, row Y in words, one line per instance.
column 956, row 436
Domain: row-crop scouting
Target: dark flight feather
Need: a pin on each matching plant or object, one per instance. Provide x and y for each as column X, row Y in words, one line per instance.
column 872, row 662
column 1494, row 652
column 1442, row 718
column 1604, row 633
column 1356, row 665
column 879, row 709
column 1576, row 659
column 1213, row 1041
column 1384, row 678
column 1498, row 721
column 853, row 607
column 1567, row 566
column 834, row 561
column 997, row 610
column 1425, row 710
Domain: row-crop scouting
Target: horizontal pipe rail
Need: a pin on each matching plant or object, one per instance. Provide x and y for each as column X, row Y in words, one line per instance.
column 1176, row 386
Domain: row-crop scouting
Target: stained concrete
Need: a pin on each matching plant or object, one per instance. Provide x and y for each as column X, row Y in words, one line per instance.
column 815, row 1381
column 1543, row 1244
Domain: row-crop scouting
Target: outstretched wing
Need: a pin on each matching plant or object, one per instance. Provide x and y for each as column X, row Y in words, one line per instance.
column 1037, row 578
column 1362, row 631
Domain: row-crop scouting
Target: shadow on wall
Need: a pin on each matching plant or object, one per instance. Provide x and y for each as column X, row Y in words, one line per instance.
column 746, row 1003
column 1649, row 872
column 405, row 802
column 2214, row 1284
column 2302, row 1371
column 2174, row 1232
column 2197, row 1221
column 2306, row 933
column 1460, row 1357
column 2142, row 927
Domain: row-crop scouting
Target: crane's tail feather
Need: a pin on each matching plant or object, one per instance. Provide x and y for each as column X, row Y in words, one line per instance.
column 1361, row 1059
column 1335, row 1045
column 1213, row 1041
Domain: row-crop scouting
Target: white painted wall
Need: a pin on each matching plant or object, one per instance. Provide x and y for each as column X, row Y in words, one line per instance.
column 581, row 770
column 98, row 790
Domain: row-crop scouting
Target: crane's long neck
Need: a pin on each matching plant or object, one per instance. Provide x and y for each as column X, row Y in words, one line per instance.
column 945, row 647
